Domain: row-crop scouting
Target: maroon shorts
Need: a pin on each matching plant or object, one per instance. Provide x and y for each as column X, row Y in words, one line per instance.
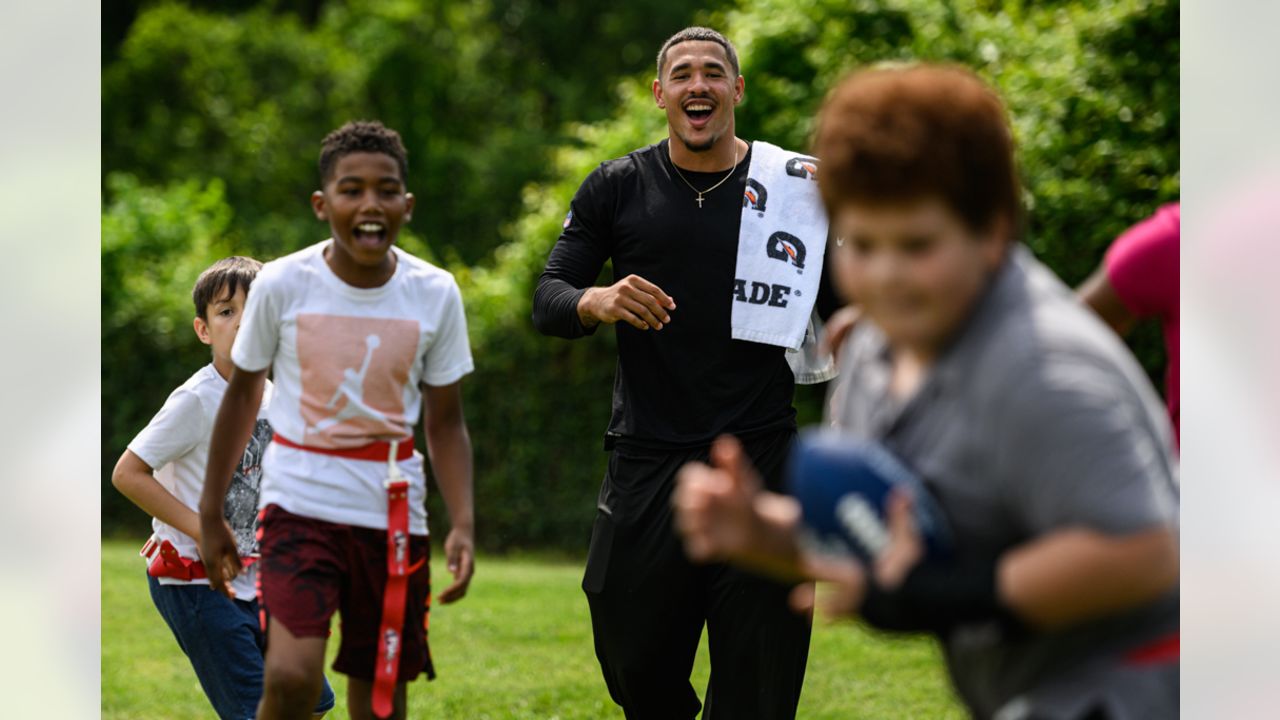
column 310, row 568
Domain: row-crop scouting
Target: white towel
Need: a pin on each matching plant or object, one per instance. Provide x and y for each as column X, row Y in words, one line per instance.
column 811, row 364
column 781, row 244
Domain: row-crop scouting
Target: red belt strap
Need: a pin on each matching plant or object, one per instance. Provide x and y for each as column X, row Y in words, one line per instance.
column 166, row 562
column 1166, row 649
column 393, row 597
column 373, row 451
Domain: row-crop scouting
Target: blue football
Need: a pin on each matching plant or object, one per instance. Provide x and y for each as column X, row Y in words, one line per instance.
column 843, row 485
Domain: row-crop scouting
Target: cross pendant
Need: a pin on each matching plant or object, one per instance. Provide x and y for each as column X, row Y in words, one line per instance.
column 699, row 198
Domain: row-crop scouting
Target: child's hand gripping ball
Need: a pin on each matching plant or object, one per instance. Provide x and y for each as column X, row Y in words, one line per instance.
column 844, row 485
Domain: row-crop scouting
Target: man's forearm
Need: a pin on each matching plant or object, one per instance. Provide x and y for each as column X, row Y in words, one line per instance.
column 555, row 309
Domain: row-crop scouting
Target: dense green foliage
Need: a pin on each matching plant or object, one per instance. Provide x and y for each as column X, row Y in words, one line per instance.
column 502, row 124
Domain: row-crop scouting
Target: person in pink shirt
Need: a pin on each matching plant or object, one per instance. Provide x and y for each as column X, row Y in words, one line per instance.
column 1138, row 279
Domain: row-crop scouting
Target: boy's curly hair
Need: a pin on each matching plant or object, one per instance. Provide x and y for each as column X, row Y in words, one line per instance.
column 356, row 136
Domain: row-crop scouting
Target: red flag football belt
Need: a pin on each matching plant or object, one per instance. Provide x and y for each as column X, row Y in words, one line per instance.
column 373, row 451
column 165, row 562
column 394, row 595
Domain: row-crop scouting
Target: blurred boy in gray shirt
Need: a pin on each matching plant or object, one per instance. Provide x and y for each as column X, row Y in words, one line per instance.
column 1028, row 421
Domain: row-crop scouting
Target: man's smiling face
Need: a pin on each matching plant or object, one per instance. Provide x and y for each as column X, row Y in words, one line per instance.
column 698, row 89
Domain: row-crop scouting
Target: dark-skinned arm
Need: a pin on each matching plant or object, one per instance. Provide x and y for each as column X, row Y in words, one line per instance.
column 1098, row 293
column 232, row 429
column 449, row 449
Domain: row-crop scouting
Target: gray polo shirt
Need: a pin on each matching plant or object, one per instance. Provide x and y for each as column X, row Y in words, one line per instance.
column 1036, row 418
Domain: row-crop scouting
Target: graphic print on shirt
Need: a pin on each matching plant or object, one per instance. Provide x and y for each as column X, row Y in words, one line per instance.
column 352, row 388
column 354, row 371
column 242, row 497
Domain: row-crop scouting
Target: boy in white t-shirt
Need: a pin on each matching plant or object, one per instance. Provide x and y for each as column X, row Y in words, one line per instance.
column 360, row 337
column 222, row 636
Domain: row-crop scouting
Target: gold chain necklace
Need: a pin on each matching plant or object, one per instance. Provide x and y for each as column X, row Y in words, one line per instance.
column 713, row 187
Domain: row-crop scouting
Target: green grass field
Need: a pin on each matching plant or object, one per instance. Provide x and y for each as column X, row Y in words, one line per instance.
column 519, row 646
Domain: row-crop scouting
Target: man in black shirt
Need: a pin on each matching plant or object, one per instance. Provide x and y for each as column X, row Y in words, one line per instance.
column 668, row 217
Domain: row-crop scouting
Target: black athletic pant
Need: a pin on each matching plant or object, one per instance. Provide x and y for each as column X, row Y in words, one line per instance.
column 648, row 602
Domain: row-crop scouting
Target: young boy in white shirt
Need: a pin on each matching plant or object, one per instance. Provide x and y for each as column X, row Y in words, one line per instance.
column 361, row 337
column 162, row 472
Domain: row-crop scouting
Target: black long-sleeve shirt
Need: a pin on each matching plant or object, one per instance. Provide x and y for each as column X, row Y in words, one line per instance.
column 689, row 382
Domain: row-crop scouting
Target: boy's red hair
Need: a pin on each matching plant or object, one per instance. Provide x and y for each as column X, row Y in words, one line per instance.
column 893, row 135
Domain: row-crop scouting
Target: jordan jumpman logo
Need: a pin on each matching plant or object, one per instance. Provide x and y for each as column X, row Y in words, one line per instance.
column 352, row 388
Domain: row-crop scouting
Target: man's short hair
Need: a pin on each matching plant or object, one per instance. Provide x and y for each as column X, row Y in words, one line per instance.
column 699, row 33
column 221, row 280
column 368, row 136
column 895, row 134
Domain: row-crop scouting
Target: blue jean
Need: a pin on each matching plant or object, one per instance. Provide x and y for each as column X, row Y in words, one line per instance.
column 224, row 643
